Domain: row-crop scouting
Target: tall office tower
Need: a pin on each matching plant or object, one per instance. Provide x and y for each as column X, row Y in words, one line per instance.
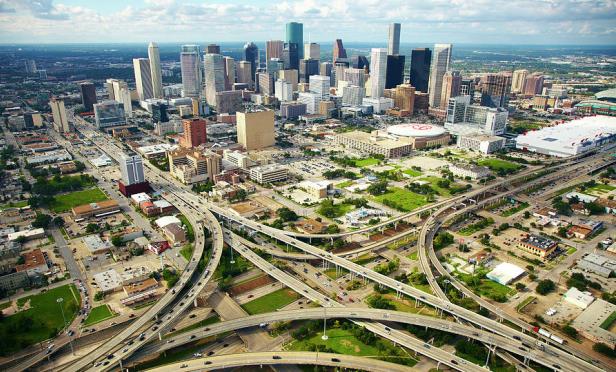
column 212, row 49
column 131, row 168
column 283, row 90
column 295, row 35
column 355, row 76
column 290, row 76
column 466, row 119
column 395, row 71
column 88, row 95
column 30, row 66
column 312, row 51
column 495, row 89
column 251, row 54
column 352, row 95
column 339, row 71
column 214, row 77
column 229, row 64
column 109, row 114
column 143, row 78
column 155, row 70
column 420, row 68
column 517, row 81
column 255, row 129
column 290, row 56
column 378, row 71
column 244, row 71
column 311, row 100
column 393, row 46
column 192, row 76
column 273, row 66
column 119, row 92
column 533, row 84
column 266, row 83
column 360, row 62
column 229, row 101
column 452, row 80
column 339, row 51
column 195, row 133
column 307, row 68
column 60, row 120
column 441, row 63
column 327, row 69
column 404, row 98
column 319, row 85
column 273, row 49
column 467, row 88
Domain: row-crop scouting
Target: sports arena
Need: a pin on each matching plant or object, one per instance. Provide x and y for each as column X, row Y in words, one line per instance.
column 422, row 135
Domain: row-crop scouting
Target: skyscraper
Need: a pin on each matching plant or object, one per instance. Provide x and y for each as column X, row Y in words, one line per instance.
column 255, row 129
column 533, row 84
column 119, row 92
column 378, row 71
column 295, row 34
column 319, row 85
column 274, row 65
column 395, row 71
column 157, row 79
column 355, row 76
column 244, row 70
column 451, row 87
column 30, row 66
column 214, row 77
column 290, row 56
column 212, row 49
column 273, row 49
column 283, row 90
column 190, row 63
column 266, row 83
column 251, row 54
column 60, row 120
column 143, row 78
column 88, row 95
column 441, row 62
column 495, row 89
column 131, row 168
column 312, row 51
column 393, row 46
column 195, row 133
column 404, row 98
column 517, row 81
column 229, row 64
column 420, row 68
column 339, row 51
column 307, row 68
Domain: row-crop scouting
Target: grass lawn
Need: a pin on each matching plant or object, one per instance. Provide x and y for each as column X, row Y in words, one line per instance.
column 340, row 340
column 5, row 305
column 366, row 162
column 345, row 183
column 98, row 314
column 473, row 228
column 42, row 320
column 413, row 256
column 405, row 200
column 412, row 172
column 601, row 189
column 434, row 184
column 65, row 202
column 340, row 209
column 364, row 259
column 207, row 321
column 331, row 273
column 270, row 302
column 515, row 209
column 19, row 204
column 571, row 251
column 187, row 251
column 497, row 164
column 190, row 232
column 608, row 321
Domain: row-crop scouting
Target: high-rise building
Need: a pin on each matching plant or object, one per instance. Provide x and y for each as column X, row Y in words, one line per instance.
column 393, row 45
column 495, row 89
column 467, row 87
column 255, row 129
column 273, row 49
column 195, row 133
column 517, row 81
column 119, row 92
column 88, row 95
column 33, row 119
column 155, row 70
column 212, row 49
column 466, row 119
column 360, row 62
column 283, row 90
column 30, row 66
column 274, row 65
column 353, row 95
column 533, row 84
column 143, row 78
column 290, row 56
column 109, row 114
column 131, row 168
column 311, row 100
column 404, row 98
column 244, row 71
column 295, row 35
column 319, row 85
column 327, row 69
column 312, row 51
column 338, row 50
column 291, row 76
column 452, row 80
column 266, row 83
column 58, row 111
column 395, row 71
column 251, row 54
column 378, row 71
column 192, row 76
column 214, row 77
column 229, row 101
column 229, row 64
column 355, row 76
column 307, row 68
column 441, row 63
column 420, row 68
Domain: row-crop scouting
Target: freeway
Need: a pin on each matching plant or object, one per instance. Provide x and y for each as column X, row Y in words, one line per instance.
column 283, row 357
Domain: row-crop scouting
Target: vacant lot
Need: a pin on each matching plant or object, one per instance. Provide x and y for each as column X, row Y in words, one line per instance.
column 98, row 314
column 270, row 302
column 65, row 202
column 401, row 199
column 498, row 164
column 366, row 162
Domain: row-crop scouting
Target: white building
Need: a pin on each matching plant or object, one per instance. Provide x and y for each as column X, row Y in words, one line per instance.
column 119, row 92
column 468, row 170
column 441, row 62
column 190, row 63
column 311, row 100
column 378, row 71
column 353, row 95
column 131, row 168
column 237, row 159
column 578, row 298
column 504, row 273
column 269, row 173
column 49, row 157
column 466, row 119
column 155, row 70
column 319, row 85
column 143, row 78
column 380, row 104
column 214, row 77
column 283, row 90
column 482, row 144
column 312, row 51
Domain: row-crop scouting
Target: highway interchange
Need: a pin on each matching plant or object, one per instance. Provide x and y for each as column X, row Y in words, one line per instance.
column 140, row 335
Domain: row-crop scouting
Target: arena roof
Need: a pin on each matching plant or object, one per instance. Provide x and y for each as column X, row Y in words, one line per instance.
column 606, row 95
column 416, row 130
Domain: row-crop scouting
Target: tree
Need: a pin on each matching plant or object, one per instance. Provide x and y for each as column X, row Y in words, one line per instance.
column 91, row 228
column 570, row 331
column 99, row 296
column 594, row 208
column 520, row 286
column 42, row 220
column 545, row 286
column 286, row 214
column 526, row 214
column 59, row 221
column 117, row 241
column 378, row 188
column 21, row 239
column 604, row 349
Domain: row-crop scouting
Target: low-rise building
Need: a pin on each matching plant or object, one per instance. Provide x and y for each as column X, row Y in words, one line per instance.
column 249, row 209
column 35, row 263
column 13, row 281
column 27, row 234
column 191, row 166
column 375, row 143
column 95, row 244
column 269, row 173
column 174, row 233
column 317, row 189
column 49, row 157
column 578, row 298
column 310, row 226
column 598, row 264
column 483, row 144
column 589, row 322
column 539, row 246
column 469, row 170
column 101, row 208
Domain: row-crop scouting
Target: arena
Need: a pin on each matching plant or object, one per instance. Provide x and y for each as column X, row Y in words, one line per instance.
column 422, row 135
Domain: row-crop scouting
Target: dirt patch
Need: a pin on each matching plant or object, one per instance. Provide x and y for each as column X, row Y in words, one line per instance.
column 250, row 285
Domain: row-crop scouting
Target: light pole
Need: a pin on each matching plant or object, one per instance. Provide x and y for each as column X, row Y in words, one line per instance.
column 231, row 250
column 60, row 300
column 324, row 337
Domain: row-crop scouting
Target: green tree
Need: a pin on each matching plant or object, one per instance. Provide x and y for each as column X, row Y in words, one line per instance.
column 117, row 241
column 286, row 214
column 570, row 331
column 42, row 220
column 545, row 286
column 378, row 188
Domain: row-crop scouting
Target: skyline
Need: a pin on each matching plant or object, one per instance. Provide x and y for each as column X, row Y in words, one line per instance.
column 167, row 21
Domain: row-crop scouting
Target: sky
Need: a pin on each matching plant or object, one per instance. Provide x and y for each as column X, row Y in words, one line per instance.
column 573, row 22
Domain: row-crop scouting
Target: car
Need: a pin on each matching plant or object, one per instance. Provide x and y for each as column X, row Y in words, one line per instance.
column 192, row 337
column 427, row 346
column 225, row 345
column 110, row 356
column 556, row 366
column 192, row 316
column 210, row 353
column 130, row 342
column 276, row 357
column 206, row 329
column 125, row 350
column 106, row 363
column 170, row 341
column 131, row 316
column 454, row 362
column 517, row 338
column 197, row 355
column 184, row 365
column 154, row 328
column 336, row 360
column 387, row 329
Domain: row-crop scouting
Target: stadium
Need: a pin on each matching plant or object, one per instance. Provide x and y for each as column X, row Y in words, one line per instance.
column 422, row 135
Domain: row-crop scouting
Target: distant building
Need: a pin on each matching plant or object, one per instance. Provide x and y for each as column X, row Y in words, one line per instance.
column 338, row 50
column 378, row 72
column 273, row 49
column 393, row 45
column 192, row 75
column 191, row 166
column 312, row 51
column 441, row 62
column 292, row 110
column 88, row 95
column 229, row 101
column 60, row 120
column 395, row 71
column 109, row 114
column 420, row 68
column 495, row 89
column 143, row 78
column 466, row 119
column 483, row 144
